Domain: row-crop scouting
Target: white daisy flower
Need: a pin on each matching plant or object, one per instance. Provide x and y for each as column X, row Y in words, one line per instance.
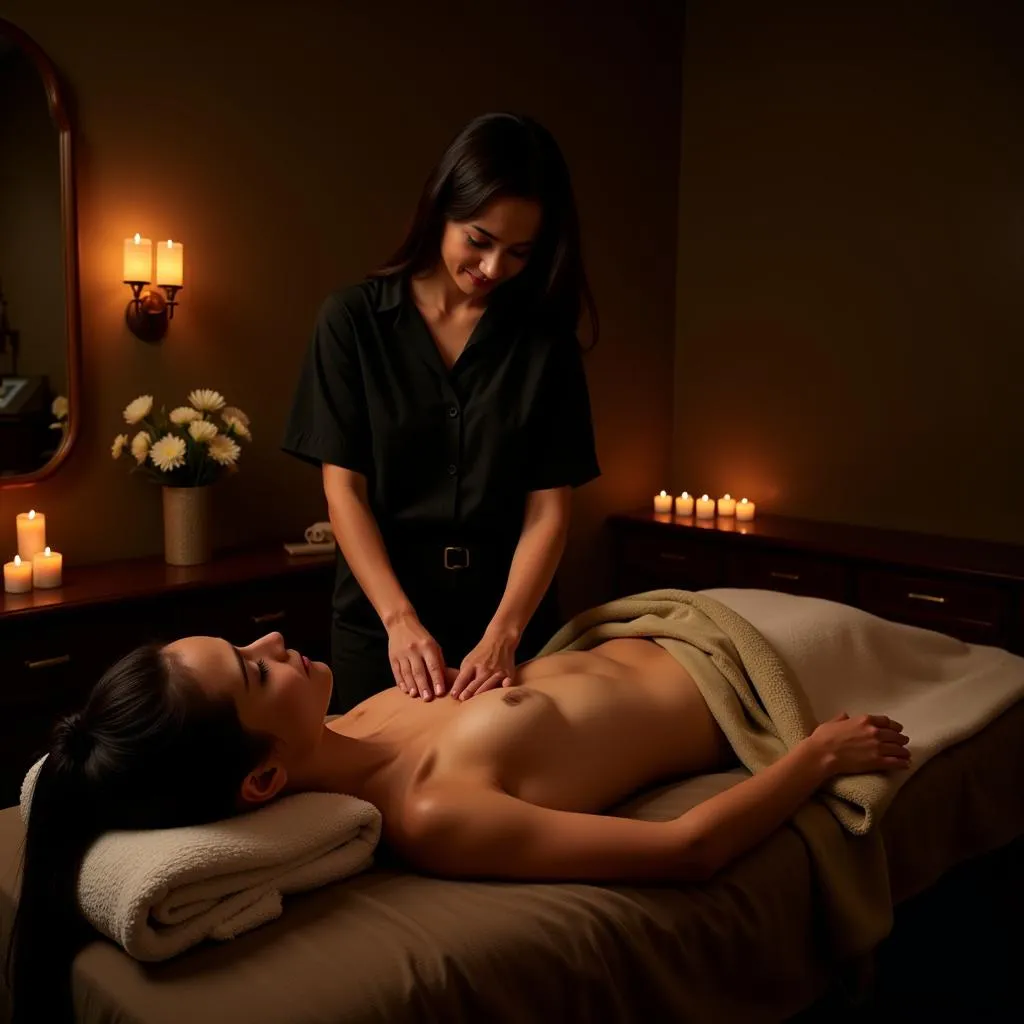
column 168, row 453
column 140, row 446
column 117, row 448
column 224, row 451
column 185, row 414
column 236, row 426
column 202, row 430
column 139, row 409
column 236, row 413
column 59, row 407
column 206, row 400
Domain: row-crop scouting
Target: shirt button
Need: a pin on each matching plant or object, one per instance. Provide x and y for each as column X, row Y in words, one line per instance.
column 453, row 411
column 452, row 469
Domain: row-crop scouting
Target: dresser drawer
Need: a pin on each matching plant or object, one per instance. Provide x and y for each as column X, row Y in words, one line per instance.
column 682, row 562
column 975, row 612
column 788, row 572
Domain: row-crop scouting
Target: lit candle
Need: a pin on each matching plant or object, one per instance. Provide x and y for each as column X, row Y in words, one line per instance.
column 705, row 508
column 663, row 502
column 138, row 259
column 17, row 576
column 31, row 534
column 684, row 504
column 170, row 263
column 745, row 511
column 46, row 569
column 726, row 505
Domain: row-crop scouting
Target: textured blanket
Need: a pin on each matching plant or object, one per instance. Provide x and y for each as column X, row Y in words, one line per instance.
column 771, row 665
column 158, row 892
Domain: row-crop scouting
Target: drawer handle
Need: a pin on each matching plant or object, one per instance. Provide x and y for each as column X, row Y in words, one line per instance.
column 926, row 597
column 62, row 659
column 260, row 620
column 671, row 556
column 784, row 575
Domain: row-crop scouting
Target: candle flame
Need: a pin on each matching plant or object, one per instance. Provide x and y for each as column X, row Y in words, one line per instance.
column 705, row 498
column 47, row 552
column 684, row 495
column 727, row 498
column 663, row 495
column 743, row 502
column 17, row 559
column 138, row 238
column 170, row 244
column 32, row 514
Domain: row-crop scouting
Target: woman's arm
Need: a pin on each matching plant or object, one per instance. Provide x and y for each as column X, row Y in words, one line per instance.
column 416, row 658
column 537, row 554
column 486, row 833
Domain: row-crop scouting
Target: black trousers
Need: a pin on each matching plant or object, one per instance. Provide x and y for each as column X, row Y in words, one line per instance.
column 454, row 605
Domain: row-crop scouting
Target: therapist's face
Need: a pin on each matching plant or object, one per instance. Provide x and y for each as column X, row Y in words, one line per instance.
column 492, row 247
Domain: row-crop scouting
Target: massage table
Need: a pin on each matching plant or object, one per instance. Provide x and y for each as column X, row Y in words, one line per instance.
column 391, row 947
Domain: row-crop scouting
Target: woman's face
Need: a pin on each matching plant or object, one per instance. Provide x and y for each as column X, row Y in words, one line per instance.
column 492, row 247
column 276, row 690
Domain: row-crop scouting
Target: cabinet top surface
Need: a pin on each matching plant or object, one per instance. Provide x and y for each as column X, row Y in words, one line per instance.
column 920, row 550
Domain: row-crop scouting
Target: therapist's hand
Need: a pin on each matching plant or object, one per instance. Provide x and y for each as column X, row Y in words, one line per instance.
column 416, row 659
column 492, row 663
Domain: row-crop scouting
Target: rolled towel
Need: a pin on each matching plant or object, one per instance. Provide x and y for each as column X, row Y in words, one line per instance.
column 157, row 892
column 319, row 533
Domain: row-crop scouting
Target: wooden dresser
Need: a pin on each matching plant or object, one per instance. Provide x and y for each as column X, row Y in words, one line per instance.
column 970, row 589
column 55, row 644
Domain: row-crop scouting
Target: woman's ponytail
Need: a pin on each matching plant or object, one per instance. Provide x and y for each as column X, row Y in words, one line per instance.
column 48, row 929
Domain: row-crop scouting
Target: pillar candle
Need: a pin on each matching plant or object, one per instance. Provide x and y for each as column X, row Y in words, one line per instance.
column 17, row 576
column 705, row 508
column 663, row 502
column 31, row 534
column 170, row 263
column 726, row 505
column 745, row 511
column 138, row 259
column 46, row 569
column 684, row 504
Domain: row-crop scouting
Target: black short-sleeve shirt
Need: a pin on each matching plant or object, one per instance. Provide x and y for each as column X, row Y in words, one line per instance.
column 448, row 454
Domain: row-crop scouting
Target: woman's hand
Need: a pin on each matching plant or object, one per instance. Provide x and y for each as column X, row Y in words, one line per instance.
column 490, row 664
column 867, row 743
column 416, row 659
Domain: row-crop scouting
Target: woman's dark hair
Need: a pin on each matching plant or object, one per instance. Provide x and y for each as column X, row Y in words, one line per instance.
column 501, row 156
column 149, row 750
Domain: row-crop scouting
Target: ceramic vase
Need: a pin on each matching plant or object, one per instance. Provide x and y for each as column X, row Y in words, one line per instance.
column 186, row 525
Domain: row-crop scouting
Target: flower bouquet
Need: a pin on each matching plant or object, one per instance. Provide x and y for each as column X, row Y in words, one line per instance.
column 184, row 450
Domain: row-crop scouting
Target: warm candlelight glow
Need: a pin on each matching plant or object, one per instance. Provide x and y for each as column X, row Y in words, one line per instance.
column 31, row 527
column 17, row 576
column 684, row 504
column 663, row 502
column 46, row 569
column 138, row 259
column 705, row 507
column 726, row 505
column 745, row 511
column 170, row 264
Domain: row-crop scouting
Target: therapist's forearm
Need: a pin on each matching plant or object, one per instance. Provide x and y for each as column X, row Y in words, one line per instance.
column 360, row 540
column 534, row 562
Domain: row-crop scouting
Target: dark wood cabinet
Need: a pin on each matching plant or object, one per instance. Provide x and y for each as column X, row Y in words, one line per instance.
column 55, row 644
column 970, row 589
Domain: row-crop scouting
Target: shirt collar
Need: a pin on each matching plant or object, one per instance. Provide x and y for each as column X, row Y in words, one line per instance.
column 390, row 292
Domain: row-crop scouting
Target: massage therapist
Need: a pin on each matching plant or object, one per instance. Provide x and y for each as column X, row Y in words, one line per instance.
column 445, row 400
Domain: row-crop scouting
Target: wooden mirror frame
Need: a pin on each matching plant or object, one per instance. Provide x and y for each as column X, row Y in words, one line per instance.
column 69, row 229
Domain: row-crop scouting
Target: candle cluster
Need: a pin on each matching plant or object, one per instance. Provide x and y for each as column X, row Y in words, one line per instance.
column 705, row 507
column 35, row 565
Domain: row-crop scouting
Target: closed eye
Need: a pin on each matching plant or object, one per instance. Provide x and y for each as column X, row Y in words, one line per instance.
column 478, row 243
column 261, row 667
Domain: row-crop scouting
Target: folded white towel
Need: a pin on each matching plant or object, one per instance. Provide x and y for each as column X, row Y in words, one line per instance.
column 318, row 533
column 158, row 892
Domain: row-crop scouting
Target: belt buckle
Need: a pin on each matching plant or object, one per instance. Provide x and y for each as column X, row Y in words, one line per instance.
column 459, row 553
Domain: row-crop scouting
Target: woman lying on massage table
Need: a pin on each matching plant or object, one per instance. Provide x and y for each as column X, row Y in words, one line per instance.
column 507, row 784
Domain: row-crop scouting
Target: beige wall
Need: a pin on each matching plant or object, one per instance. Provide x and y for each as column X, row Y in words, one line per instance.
column 851, row 262
column 285, row 144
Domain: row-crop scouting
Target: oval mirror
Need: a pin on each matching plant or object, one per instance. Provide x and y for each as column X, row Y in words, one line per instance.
column 39, row 324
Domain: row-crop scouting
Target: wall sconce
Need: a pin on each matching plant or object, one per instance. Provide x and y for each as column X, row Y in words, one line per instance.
column 148, row 311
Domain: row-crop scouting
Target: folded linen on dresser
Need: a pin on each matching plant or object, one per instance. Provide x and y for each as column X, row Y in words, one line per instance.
column 814, row 658
column 160, row 891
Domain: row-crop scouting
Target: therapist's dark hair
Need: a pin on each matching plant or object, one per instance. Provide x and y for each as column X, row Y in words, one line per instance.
column 149, row 750
column 497, row 156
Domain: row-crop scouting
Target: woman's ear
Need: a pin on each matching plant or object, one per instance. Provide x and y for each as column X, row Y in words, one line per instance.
column 263, row 784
